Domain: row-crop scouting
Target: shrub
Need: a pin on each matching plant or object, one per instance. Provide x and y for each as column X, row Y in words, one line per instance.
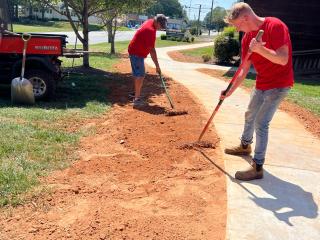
column 187, row 34
column 192, row 39
column 206, row 57
column 225, row 48
column 186, row 39
column 229, row 32
column 163, row 37
column 193, row 31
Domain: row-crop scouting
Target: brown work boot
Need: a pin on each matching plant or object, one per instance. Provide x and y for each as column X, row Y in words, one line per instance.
column 239, row 150
column 250, row 174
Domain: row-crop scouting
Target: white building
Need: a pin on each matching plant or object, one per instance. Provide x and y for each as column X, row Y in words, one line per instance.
column 51, row 14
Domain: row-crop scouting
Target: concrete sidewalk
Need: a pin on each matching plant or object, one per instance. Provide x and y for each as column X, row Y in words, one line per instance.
column 283, row 205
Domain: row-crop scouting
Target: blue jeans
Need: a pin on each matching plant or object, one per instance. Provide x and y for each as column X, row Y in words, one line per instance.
column 261, row 109
column 137, row 66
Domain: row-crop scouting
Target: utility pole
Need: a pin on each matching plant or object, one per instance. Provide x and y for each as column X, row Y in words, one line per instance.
column 210, row 23
column 190, row 10
column 198, row 20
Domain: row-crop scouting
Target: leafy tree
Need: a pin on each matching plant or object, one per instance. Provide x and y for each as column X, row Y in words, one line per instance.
column 170, row 8
column 217, row 20
column 116, row 8
column 83, row 9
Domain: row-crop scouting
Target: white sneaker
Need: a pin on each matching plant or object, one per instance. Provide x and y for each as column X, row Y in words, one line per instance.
column 139, row 103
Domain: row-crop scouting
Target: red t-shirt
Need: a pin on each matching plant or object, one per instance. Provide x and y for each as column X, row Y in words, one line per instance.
column 271, row 75
column 144, row 40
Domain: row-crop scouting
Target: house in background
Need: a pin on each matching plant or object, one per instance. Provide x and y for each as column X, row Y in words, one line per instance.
column 176, row 24
column 302, row 18
column 50, row 14
column 135, row 20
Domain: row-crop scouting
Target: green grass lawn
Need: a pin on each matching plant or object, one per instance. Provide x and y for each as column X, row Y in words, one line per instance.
column 55, row 26
column 306, row 93
column 199, row 52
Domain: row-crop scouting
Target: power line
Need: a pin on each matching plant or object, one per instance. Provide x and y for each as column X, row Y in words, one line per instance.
column 197, row 7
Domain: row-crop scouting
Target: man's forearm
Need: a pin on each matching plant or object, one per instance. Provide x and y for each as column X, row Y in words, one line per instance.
column 280, row 56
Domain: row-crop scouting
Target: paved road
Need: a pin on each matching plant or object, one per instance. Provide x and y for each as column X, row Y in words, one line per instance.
column 285, row 204
column 101, row 36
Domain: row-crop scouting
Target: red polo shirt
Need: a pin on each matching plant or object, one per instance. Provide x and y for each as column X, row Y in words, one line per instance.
column 144, row 40
column 271, row 75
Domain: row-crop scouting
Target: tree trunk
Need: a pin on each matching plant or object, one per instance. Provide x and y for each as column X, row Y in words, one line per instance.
column 109, row 30
column 16, row 11
column 30, row 11
column 112, row 50
column 85, row 32
column 86, row 48
column 42, row 13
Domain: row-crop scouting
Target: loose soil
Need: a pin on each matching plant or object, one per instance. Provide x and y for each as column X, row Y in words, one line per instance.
column 133, row 180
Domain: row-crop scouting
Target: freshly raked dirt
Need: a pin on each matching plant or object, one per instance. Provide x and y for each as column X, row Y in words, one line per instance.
column 133, row 181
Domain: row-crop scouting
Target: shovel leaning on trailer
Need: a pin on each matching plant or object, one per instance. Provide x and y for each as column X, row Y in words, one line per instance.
column 21, row 88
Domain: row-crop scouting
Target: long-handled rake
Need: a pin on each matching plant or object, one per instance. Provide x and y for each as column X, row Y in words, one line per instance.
column 173, row 112
column 205, row 144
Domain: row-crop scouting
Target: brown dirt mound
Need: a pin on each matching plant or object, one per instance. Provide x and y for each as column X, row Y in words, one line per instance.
column 132, row 180
column 180, row 57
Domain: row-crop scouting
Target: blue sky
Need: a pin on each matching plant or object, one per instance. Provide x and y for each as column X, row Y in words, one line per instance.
column 205, row 6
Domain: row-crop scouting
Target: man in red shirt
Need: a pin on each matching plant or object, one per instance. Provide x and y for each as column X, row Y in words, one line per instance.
column 140, row 46
column 272, row 60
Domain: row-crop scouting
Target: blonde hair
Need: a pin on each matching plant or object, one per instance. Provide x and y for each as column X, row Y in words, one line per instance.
column 237, row 10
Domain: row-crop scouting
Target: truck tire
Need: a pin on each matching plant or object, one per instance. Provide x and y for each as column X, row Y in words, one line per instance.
column 44, row 85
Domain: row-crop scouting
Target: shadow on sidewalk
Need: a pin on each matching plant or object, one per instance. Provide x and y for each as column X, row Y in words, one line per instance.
column 286, row 199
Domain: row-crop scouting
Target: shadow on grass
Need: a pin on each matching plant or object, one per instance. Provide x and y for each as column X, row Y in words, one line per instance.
column 93, row 85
